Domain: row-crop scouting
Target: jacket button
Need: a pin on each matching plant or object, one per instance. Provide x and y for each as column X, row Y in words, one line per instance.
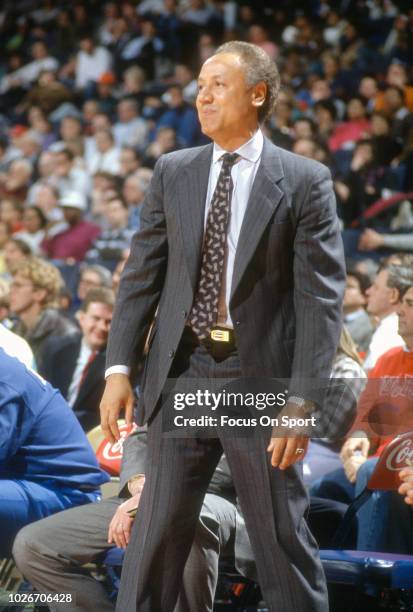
column 171, row 354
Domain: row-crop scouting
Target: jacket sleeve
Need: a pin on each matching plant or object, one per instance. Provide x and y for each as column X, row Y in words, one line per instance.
column 133, row 458
column 319, row 280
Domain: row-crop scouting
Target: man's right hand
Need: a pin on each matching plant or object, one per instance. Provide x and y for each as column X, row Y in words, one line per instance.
column 118, row 396
column 358, row 443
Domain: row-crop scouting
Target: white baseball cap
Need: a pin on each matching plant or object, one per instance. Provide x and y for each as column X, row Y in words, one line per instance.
column 73, row 199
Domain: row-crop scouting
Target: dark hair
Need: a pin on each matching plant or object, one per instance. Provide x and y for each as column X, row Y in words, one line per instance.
column 67, row 153
column 362, row 279
column 102, row 295
column 258, row 67
column 327, row 105
column 42, row 217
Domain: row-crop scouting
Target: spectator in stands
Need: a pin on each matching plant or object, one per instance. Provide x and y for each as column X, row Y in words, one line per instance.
column 91, row 276
column 347, row 380
column 46, row 462
column 382, row 302
column 368, row 89
column 33, row 231
column 384, row 411
column 104, row 93
column 395, row 108
column 33, row 295
column 129, row 161
column 15, row 183
column 134, row 190
column 91, row 62
column 107, row 156
column 72, row 244
column 111, row 244
column 356, row 126
column 47, row 199
column 45, row 169
column 82, row 380
column 356, row 319
column 165, row 142
column 305, row 147
column 15, row 251
column 362, row 185
column 130, row 129
column 48, row 94
column 71, row 134
column 69, row 177
column 26, row 75
column 181, row 117
column 11, row 213
column 258, row 35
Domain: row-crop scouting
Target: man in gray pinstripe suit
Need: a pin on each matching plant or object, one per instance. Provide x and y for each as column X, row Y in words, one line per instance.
column 270, row 307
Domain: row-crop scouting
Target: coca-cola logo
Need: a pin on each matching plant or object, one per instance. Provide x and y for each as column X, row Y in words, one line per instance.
column 397, row 457
column 114, row 451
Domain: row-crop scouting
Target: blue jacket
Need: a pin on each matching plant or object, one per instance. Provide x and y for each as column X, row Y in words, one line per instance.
column 40, row 438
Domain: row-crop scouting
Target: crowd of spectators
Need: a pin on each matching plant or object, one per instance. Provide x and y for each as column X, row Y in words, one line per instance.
column 92, row 94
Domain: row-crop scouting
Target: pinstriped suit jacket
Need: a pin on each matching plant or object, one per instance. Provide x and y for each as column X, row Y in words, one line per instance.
column 288, row 276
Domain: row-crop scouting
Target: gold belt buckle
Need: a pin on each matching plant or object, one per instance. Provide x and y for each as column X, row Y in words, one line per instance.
column 220, row 335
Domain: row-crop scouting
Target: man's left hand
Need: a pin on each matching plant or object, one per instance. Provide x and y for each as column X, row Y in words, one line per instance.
column 287, row 451
column 289, row 445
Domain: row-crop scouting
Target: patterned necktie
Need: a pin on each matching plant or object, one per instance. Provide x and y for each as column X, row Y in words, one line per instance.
column 204, row 310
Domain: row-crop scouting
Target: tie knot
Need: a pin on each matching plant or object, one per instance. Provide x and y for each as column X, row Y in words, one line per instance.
column 229, row 159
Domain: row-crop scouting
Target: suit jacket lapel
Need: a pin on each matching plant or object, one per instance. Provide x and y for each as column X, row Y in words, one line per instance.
column 264, row 199
column 94, row 375
column 192, row 191
column 71, row 354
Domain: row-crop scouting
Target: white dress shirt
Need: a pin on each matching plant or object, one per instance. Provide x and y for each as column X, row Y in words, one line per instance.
column 243, row 175
column 83, row 358
column 384, row 338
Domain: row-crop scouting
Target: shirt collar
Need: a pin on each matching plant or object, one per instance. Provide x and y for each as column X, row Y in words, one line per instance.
column 250, row 150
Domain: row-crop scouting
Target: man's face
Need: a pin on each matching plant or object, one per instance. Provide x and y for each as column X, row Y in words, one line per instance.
column 380, row 297
column 22, row 294
column 88, row 280
column 95, row 324
column 128, row 162
column 353, row 295
column 225, row 101
column 131, row 191
column 116, row 214
column 126, row 111
column 71, row 215
column 63, row 165
column 405, row 312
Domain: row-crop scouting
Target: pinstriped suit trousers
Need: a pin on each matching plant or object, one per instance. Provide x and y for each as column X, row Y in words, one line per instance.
column 274, row 505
